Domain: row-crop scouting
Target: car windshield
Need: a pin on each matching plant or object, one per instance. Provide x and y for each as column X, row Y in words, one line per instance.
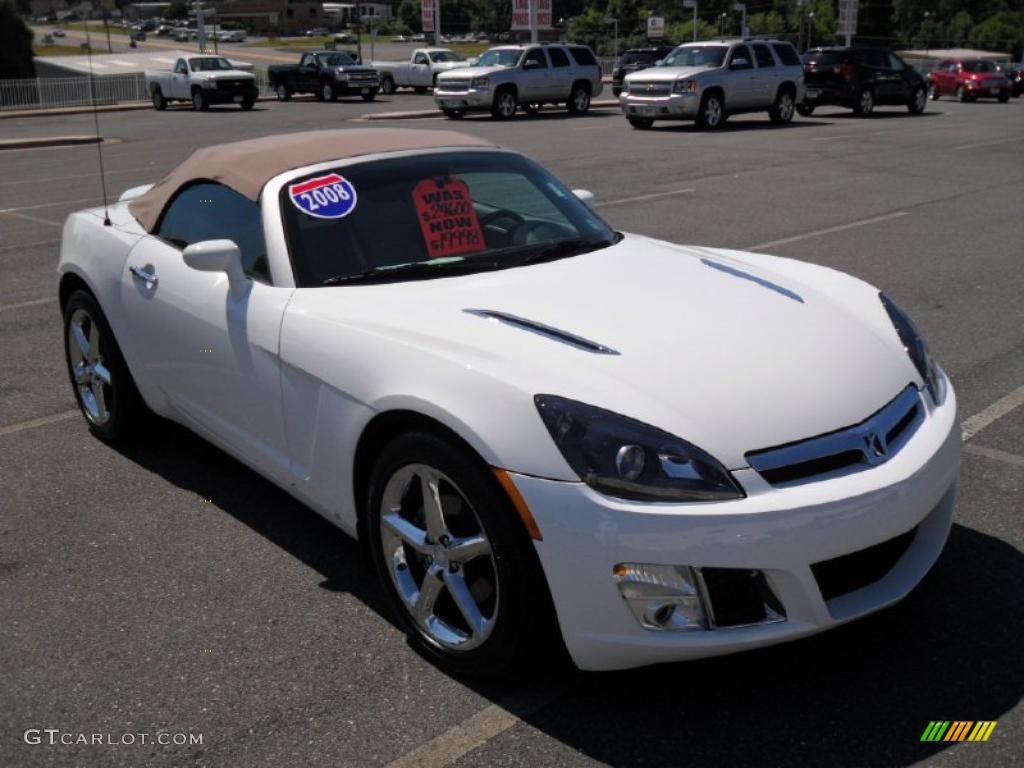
column 636, row 57
column 696, row 56
column 336, row 59
column 446, row 56
column 979, row 66
column 824, row 58
column 209, row 64
column 499, row 57
column 432, row 215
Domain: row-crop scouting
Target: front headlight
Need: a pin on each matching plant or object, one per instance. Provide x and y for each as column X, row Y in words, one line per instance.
column 632, row 460
column 341, row 75
column 684, row 86
column 480, row 82
column 915, row 346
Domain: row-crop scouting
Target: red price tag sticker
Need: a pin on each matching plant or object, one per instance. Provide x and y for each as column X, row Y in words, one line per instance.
column 447, row 218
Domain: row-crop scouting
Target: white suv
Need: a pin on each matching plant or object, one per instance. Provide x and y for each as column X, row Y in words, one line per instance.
column 527, row 76
column 707, row 82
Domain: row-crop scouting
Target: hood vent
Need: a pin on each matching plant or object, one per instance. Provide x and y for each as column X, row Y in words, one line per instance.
column 753, row 278
column 544, row 330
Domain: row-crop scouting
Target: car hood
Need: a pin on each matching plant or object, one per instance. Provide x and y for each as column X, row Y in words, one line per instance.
column 356, row 68
column 716, row 347
column 666, row 74
column 224, row 74
column 463, row 72
column 448, row 66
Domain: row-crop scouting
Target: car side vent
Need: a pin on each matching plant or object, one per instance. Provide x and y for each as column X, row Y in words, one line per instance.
column 555, row 334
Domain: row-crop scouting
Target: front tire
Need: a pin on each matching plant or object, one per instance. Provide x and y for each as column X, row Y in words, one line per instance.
column 454, row 114
column 327, row 92
column 369, row 96
column 248, row 102
column 453, row 557
column 641, row 123
column 806, row 110
column 933, row 92
column 918, row 101
column 159, row 102
column 504, row 107
column 199, row 101
column 419, row 90
column 961, row 94
column 103, row 387
column 711, row 114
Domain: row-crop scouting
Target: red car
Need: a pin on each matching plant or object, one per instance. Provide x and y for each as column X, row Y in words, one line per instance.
column 968, row 79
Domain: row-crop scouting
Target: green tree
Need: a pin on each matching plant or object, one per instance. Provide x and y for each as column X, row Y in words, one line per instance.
column 15, row 43
column 178, row 10
column 1001, row 32
column 409, row 13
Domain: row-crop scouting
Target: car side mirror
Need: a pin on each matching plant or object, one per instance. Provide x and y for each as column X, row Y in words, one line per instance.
column 739, row 63
column 216, row 256
column 659, row 62
column 584, row 195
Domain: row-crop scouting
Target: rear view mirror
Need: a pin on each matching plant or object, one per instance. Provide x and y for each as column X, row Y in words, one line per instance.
column 216, row 256
column 659, row 62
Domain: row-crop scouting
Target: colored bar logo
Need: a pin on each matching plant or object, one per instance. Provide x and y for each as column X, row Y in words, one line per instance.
column 958, row 730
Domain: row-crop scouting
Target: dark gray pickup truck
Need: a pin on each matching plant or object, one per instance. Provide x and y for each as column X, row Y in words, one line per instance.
column 328, row 74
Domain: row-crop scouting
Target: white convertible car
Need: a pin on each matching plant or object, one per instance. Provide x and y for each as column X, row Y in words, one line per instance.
column 530, row 420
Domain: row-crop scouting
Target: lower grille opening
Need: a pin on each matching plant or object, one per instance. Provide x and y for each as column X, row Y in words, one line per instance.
column 901, row 425
column 848, row 573
column 740, row 596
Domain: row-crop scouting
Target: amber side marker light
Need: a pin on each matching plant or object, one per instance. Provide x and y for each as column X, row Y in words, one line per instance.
column 519, row 503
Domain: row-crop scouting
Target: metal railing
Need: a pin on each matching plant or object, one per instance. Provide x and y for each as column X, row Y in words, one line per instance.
column 59, row 92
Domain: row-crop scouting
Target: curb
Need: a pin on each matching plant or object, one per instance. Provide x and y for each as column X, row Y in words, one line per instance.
column 48, row 141
column 75, row 110
column 420, row 114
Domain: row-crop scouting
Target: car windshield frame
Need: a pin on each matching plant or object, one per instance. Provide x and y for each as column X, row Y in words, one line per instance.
column 677, row 56
column 498, row 54
column 577, row 228
column 198, row 64
column 446, row 57
column 325, row 59
column 978, row 67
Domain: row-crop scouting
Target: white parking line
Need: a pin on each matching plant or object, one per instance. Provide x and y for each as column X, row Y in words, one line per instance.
column 992, row 453
column 23, row 304
column 52, row 205
column 34, row 244
column 997, row 410
column 479, row 728
column 641, row 198
column 989, row 143
column 42, row 421
column 30, row 217
column 827, row 231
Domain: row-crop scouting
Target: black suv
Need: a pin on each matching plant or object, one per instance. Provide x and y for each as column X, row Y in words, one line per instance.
column 636, row 59
column 861, row 79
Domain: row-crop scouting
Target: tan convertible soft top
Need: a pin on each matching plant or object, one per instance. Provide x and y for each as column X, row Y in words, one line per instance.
column 245, row 166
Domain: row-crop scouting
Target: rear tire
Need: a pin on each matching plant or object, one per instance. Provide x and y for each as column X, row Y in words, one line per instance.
column 933, row 92
column 783, row 108
column 1004, row 97
column 918, row 101
column 283, row 92
column 506, row 594
column 531, row 109
column 419, row 90
column 579, row 99
column 711, row 114
column 387, row 85
column 454, row 114
column 103, row 387
column 369, row 96
column 865, row 104
column 641, row 123
column 961, row 94
column 159, row 102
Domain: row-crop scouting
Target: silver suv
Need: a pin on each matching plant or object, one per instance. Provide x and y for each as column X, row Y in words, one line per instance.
column 709, row 81
column 527, row 76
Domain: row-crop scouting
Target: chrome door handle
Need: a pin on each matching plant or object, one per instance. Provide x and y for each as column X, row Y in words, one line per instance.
column 149, row 278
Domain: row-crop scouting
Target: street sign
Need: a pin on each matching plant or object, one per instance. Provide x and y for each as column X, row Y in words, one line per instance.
column 521, row 14
column 427, row 15
column 655, row 27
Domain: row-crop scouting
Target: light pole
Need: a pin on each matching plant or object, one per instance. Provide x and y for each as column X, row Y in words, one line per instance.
column 927, row 16
column 810, row 29
column 743, row 23
column 611, row 20
column 692, row 4
column 721, row 23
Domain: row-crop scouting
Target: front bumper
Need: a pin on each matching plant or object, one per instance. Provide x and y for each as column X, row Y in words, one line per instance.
column 355, row 87
column 821, row 95
column 230, row 95
column 473, row 100
column 677, row 106
column 978, row 90
column 780, row 532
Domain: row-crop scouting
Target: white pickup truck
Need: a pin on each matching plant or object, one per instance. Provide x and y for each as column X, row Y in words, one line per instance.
column 203, row 80
column 419, row 72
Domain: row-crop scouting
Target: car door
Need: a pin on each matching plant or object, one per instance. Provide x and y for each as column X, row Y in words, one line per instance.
column 766, row 82
column 309, row 74
column 419, row 70
column 903, row 84
column 179, row 81
column 205, row 346
column 740, row 79
column 883, row 79
column 533, row 80
column 561, row 74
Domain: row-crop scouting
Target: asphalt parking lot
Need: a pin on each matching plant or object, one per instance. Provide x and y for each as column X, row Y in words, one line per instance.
column 166, row 588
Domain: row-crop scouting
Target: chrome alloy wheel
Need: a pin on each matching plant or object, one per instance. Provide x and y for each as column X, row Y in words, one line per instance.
column 786, row 107
column 439, row 558
column 920, row 100
column 92, row 378
column 712, row 112
column 580, row 100
column 506, row 105
column 867, row 102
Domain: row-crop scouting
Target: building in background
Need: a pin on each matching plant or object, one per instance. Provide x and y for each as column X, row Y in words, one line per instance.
column 272, row 17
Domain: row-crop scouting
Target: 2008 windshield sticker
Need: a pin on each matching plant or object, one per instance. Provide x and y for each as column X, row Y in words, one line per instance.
column 326, row 197
column 447, row 218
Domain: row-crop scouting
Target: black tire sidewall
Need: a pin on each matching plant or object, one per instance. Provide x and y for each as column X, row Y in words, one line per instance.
column 518, row 569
